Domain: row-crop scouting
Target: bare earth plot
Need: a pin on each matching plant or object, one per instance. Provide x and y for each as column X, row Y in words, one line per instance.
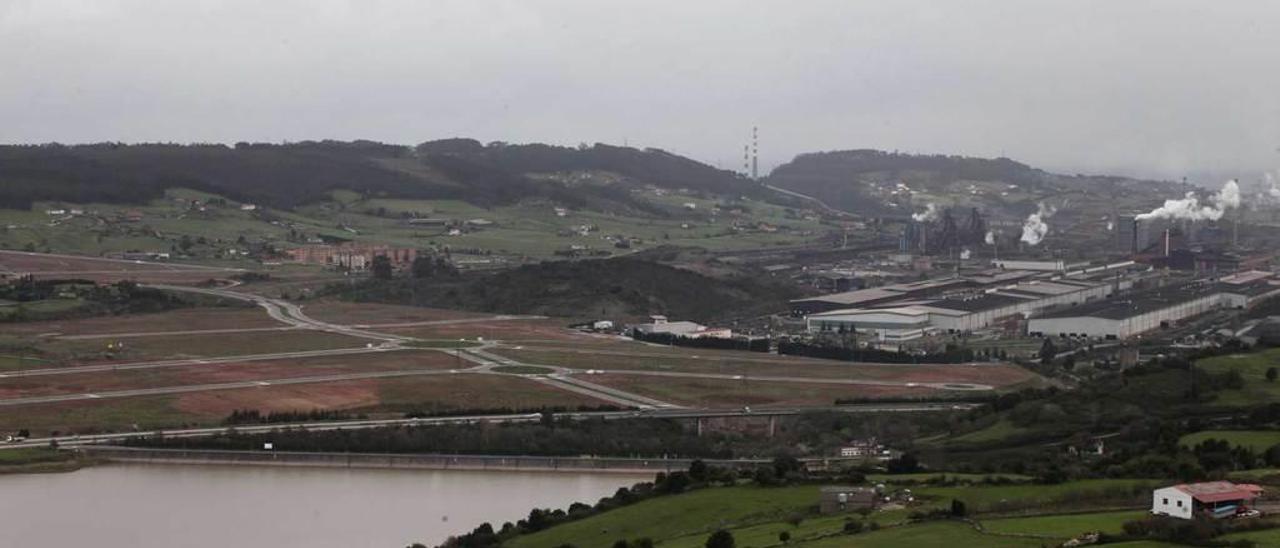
column 696, row 392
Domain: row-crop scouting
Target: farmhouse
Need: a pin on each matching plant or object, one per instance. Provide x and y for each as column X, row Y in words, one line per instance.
column 1216, row 499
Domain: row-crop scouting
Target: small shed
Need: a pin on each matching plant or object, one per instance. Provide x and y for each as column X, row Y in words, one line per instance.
column 835, row 499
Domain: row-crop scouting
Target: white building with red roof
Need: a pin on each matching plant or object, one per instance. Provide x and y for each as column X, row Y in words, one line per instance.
column 1217, row 499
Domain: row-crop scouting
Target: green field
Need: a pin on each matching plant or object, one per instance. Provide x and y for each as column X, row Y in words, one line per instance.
column 1064, row 526
column 1071, row 495
column 690, row 514
column 999, row 430
column 1256, row 440
column 940, row 534
column 756, row 516
column 527, row 229
column 1253, row 367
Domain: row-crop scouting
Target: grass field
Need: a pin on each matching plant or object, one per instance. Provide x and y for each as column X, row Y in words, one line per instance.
column 625, row 355
column 735, row 393
column 97, row 416
column 529, row 229
column 1064, row 526
column 756, row 516
column 1256, row 440
column 944, row 534
column 470, row 391
column 187, row 319
column 44, row 385
column 690, row 514
column 202, row 346
column 1065, row 496
column 346, row 313
column 1253, row 367
column 999, row 430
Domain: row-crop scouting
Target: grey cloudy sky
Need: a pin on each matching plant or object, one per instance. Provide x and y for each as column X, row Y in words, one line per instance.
column 1158, row 88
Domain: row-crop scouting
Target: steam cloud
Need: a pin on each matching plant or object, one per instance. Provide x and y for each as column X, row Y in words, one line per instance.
column 964, row 254
column 990, row 238
column 1190, row 208
column 1034, row 228
column 928, row 215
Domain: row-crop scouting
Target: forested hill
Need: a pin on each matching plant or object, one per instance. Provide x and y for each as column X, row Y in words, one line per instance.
column 590, row 288
column 286, row 175
column 888, row 183
column 651, row 166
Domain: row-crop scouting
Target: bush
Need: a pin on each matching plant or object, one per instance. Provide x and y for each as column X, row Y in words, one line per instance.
column 721, row 539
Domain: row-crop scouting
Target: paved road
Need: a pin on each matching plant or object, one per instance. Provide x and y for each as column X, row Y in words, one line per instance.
column 71, row 441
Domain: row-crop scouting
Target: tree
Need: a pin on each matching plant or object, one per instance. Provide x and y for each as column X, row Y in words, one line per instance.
column 958, row 509
column 784, row 537
column 1272, row 373
column 721, row 539
column 381, row 267
column 1048, row 350
column 698, row 470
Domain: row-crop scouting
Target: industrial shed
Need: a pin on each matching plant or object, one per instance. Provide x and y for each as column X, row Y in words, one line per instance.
column 1132, row 315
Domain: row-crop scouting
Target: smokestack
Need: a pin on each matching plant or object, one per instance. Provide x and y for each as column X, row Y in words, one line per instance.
column 1166, row 242
column 1135, row 236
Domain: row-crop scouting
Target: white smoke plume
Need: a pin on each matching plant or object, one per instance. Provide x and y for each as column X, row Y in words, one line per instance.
column 1111, row 225
column 1190, row 208
column 1034, row 229
column 990, row 238
column 930, row 214
column 964, row 254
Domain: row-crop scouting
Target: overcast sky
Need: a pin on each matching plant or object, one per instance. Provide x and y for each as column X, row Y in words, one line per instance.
column 1159, row 88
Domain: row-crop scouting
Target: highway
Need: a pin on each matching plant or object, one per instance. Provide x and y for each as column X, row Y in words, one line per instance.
column 72, row 441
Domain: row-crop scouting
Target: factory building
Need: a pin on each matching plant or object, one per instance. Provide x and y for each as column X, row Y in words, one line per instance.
column 904, row 312
column 1145, row 311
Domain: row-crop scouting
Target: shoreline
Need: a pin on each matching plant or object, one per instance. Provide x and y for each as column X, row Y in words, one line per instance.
column 393, row 461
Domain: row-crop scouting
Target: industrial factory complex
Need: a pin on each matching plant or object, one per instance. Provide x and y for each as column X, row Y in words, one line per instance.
column 1105, row 301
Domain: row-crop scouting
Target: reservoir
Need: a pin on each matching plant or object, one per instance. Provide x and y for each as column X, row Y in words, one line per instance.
column 203, row 506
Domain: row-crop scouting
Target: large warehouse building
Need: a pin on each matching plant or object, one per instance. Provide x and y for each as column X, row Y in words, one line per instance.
column 1145, row 311
column 904, row 312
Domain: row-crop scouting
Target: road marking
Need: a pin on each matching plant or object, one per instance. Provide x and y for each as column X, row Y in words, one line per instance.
column 264, row 383
column 93, row 396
